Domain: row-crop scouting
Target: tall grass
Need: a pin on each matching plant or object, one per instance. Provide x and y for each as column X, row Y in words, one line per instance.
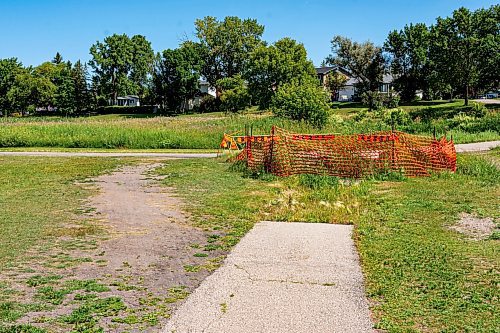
column 182, row 132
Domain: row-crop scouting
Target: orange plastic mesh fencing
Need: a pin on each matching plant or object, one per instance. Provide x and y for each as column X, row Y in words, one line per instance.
column 359, row 155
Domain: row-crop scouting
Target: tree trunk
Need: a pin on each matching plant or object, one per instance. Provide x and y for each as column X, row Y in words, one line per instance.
column 467, row 94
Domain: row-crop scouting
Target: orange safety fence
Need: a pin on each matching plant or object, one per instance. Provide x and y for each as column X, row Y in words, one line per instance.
column 358, row 155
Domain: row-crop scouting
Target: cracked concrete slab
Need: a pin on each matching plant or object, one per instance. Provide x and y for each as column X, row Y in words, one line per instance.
column 282, row 277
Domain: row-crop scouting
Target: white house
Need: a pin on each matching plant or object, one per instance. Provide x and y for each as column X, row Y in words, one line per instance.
column 348, row 92
column 128, row 100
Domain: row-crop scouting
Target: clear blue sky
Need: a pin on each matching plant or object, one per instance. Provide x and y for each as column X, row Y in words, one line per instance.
column 34, row 30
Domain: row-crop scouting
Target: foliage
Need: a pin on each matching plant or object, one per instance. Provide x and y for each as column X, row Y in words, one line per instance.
column 335, row 81
column 410, row 63
column 226, row 45
column 9, row 69
column 234, row 94
column 460, row 44
column 31, row 89
column 208, row 104
column 364, row 60
column 121, row 65
column 270, row 67
column 304, row 102
column 175, row 76
column 395, row 116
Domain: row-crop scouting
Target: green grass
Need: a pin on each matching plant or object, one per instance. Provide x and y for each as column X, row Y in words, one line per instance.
column 38, row 195
column 422, row 275
column 204, row 131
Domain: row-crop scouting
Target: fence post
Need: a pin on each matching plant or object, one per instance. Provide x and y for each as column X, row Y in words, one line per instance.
column 393, row 150
column 270, row 169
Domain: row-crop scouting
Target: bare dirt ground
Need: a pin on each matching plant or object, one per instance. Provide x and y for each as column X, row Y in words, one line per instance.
column 476, row 228
column 143, row 256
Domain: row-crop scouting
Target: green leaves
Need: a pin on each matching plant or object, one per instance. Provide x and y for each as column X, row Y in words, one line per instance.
column 122, row 64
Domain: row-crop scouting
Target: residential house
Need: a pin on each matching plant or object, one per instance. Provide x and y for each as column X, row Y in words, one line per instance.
column 128, row 100
column 348, row 92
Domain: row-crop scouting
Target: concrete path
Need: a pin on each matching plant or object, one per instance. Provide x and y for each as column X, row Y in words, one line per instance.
column 97, row 154
column 478, row 146
column 282, row 278
column 461, row 148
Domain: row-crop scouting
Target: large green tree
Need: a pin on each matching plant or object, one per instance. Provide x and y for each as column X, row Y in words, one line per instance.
column 176, row 74
column 31, row 90
column 121, row 64
column 226, row 46
column 270, row 67
column 363, row 60
column 410, row 63
column 9, row 69
column 465, row 49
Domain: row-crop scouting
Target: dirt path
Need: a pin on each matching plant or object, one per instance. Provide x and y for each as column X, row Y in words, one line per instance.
column 141, row 258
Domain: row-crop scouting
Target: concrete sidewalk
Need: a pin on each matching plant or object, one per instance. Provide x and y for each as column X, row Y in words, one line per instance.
column 282, row 277
column 110, row 154
column 478, row 146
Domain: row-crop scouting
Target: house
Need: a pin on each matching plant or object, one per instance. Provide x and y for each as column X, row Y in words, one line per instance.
column 205, row 89
column 348, row 91
column 128, row 100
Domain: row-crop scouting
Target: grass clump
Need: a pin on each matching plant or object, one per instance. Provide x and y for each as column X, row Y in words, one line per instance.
column 90, row 312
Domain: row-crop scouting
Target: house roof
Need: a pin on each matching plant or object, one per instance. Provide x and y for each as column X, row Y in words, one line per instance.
column 325, row 69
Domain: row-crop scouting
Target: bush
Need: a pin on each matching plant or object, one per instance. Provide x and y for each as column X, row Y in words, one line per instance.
column 395, row 117
column 306, row 101
column 377, row 101
column 475, row 110
column 391, row 101
column 235, row 96
column 373, row 100
column 208, row 104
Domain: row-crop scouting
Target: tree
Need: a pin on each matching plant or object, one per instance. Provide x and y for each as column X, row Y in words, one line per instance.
column 305, row 101
column 142, row 63
column 9, row 69
column 364, row 60
column 410, row 63
column 464, row 46
column 57, row 59
column 234, row 94
column 121, row 64
column 226, row 46
column 335, row 81
column 31, row 90
column 176, row 75
column 269, row 67
column 81, row 93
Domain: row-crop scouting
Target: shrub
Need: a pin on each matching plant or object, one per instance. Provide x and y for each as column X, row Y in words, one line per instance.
column 391, row 101
column 208, row 104
column 475, row 110
column 395, row 117
column 306, row 101
column 235, row 94
column 373, row 100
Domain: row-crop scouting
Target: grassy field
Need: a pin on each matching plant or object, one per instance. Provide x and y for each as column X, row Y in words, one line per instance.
column 204, row 131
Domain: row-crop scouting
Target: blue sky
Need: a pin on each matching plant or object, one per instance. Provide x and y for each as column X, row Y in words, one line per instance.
column 34, row 30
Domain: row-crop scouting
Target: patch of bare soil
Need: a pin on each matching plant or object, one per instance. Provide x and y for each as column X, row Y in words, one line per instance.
column 146, row 257
column 476, row 228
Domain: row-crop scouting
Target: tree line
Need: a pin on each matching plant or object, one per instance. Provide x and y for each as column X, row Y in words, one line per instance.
column 457, row 56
